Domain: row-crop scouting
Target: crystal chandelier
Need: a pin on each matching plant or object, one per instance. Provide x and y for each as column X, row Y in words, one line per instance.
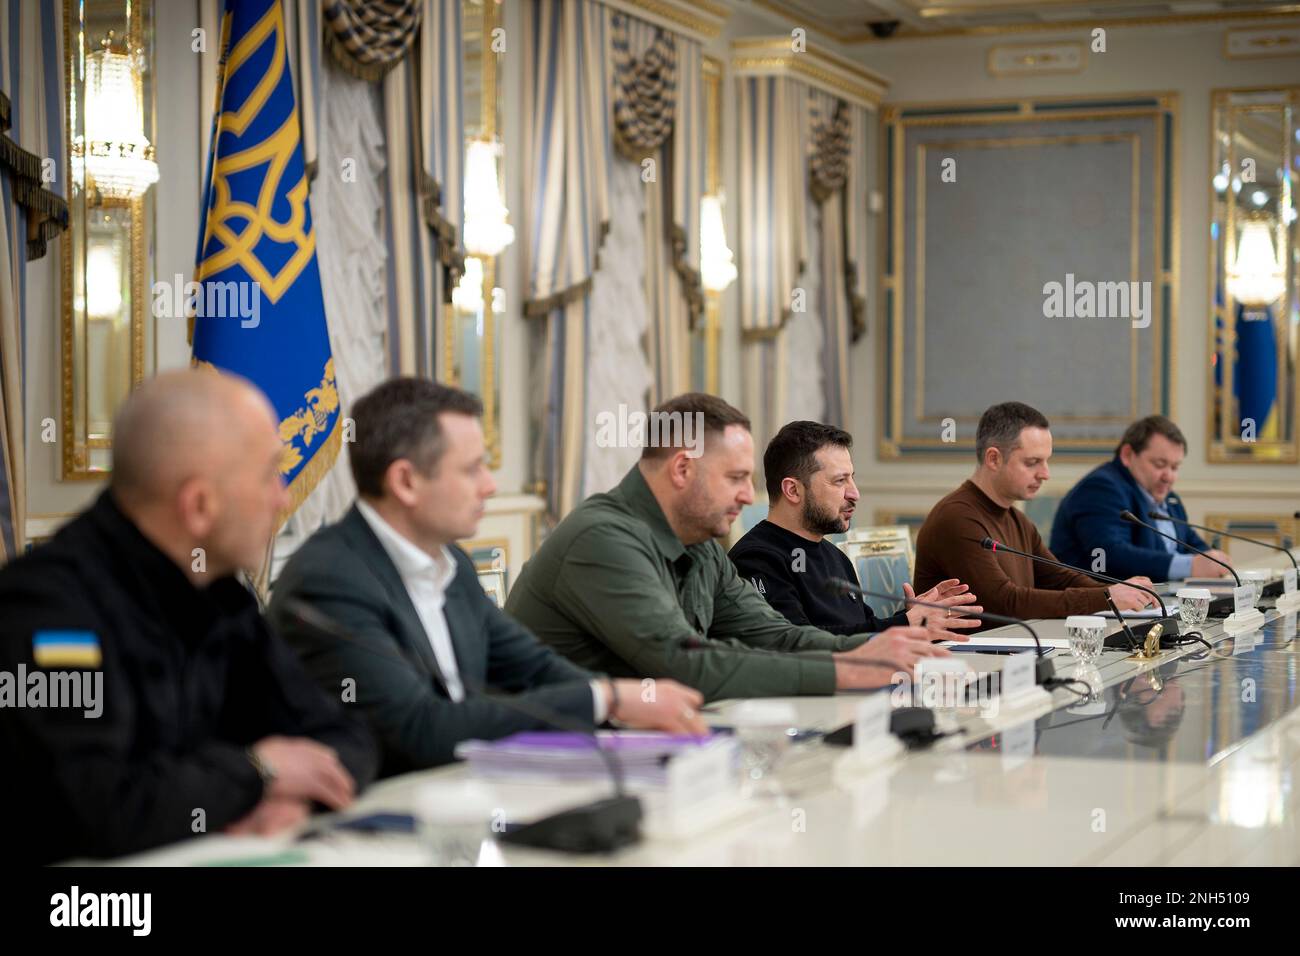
column 119, row 157
column 1256, row 278
column 486, row 229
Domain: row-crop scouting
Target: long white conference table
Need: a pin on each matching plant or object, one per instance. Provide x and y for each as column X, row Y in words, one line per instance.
column 1190, row 759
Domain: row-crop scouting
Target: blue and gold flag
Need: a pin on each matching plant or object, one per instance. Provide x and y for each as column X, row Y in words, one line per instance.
column 258, row 309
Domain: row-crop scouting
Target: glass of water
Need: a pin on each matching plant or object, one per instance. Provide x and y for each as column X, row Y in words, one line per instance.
column 1086, row 635
column 1193, row 606
column 1257, row 580
column 763, row 730
column 455, row 818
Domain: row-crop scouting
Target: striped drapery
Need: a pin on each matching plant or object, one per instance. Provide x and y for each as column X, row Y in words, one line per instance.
column 566, row 153
column 674, row 290
column 857, row 220
column 772, row 238
column 778, row 174
column 369, row 37
column 33, row 210
column 829, row 122
column 424, row 177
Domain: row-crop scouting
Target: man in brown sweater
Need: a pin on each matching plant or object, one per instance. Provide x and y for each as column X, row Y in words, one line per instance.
column 1013, row 444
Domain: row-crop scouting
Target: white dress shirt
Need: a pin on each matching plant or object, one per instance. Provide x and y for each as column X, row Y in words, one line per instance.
column 426, row 579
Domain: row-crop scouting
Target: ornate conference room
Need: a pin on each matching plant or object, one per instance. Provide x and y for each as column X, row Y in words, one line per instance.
column 729, row 433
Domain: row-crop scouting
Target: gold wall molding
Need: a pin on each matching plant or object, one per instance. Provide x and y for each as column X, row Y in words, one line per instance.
column 895, row 120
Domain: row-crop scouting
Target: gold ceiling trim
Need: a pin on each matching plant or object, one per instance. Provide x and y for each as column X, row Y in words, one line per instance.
column 1291, row 12
column 703, row 18
column 766, row 56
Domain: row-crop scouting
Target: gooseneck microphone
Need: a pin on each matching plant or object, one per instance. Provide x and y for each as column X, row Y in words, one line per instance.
column 1157, row 516
column 988, row 544
column 603, row 825
column 1044, row 669
column 1131, row 518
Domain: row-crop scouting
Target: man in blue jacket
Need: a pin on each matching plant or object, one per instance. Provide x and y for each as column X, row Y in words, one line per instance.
column 1140, row 478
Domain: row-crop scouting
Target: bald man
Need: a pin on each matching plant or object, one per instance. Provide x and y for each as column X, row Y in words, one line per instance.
column 166, row 708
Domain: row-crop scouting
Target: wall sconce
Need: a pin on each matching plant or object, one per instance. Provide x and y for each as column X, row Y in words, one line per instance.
column 468, row 294
column 1256, row 278
column 717, row 263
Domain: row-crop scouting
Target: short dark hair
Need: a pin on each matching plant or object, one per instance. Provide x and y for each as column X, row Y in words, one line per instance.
column 1138, row 435
column 399, row 419
column 792, row 453
column 1000, row 427
column 716, row 414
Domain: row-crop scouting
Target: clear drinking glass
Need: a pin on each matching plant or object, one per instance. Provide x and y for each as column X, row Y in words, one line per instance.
column 1086, row 635
column 1193, row 606
column 455, row 818
column 1257, row 580
column 763, row 730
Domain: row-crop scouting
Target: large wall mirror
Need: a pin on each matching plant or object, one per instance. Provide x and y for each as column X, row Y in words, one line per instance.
column 472, row 320
column 1255, row 321
column 107, row 249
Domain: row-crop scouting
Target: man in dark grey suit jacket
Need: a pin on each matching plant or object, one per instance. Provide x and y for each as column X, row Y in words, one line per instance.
column 425, row 640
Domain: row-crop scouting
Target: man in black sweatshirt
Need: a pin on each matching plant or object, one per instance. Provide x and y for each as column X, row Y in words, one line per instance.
column 788, row 560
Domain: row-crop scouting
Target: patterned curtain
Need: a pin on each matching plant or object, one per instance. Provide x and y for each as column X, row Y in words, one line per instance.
column 33, row 210
column 369, row 37
column 645, row 91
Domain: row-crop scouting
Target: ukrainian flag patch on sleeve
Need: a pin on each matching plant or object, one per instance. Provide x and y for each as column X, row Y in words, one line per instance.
column 66, row 649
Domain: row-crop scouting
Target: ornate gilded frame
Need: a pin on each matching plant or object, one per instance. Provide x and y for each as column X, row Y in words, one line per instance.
column 894, row 120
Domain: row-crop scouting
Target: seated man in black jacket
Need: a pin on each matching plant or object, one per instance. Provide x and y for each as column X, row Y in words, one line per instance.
column 811, row 494
column 428, row 658
column 201, row 719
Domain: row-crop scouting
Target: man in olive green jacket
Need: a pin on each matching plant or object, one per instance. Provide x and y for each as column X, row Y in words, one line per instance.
column 634, row 584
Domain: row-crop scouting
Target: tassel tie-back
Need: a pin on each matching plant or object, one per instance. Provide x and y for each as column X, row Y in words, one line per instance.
column 645, row 92
column 47, row 212
column 828, row 165
column 369, row 37
column 450, row 254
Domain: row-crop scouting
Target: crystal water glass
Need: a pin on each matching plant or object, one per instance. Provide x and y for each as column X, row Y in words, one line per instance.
column 1193, row 606
column 1086, row 633
column 455, row 819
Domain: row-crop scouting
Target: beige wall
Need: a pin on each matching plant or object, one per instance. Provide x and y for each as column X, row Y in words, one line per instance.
column 1187, row 60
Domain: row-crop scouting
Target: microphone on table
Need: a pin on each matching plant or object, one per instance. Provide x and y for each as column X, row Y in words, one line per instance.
column 1170, row 628
column 915, row 726
column 1157, row 516
column 1131, row 518
column 601, row 826
column 1044, row 669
